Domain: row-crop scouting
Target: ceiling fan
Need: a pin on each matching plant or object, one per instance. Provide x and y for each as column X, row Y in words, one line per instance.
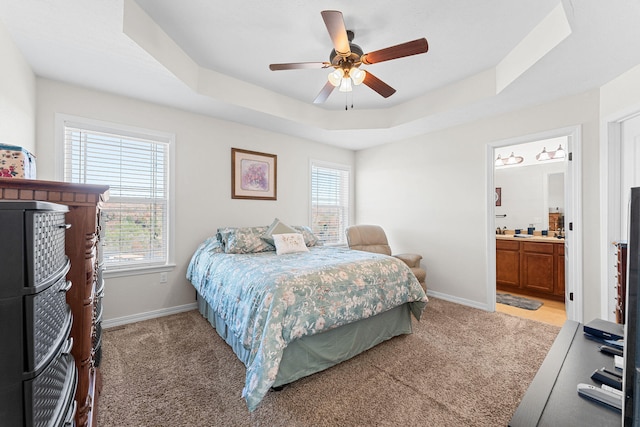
column 347, row 57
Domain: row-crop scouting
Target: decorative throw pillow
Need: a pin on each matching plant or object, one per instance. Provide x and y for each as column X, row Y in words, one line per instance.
column 243, row 240
column 289, row 243
column 276, row 227
column 310, row 239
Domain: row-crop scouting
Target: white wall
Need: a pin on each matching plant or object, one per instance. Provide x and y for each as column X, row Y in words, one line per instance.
column 429, row 193
column 203, row 181
column 17, row 96
column 523, row 195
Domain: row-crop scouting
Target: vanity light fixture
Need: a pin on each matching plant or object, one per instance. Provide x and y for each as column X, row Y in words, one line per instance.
column 551, row 155
column 511, row 160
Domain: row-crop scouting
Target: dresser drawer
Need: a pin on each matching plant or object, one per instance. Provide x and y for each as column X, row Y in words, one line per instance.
column 508, row 245
column 33, row 250
column 46, row 255
column 49, row 396
column 46, row 400
column 541, row 248
column 47, row 324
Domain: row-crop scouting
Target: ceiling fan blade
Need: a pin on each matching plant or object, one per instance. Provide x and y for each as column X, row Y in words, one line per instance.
column 398, row 51
column 324, row 93
column 378, row 85
column 299, row 66
column 337, row 31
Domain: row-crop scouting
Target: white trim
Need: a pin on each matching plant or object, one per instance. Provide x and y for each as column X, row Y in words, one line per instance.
column 573, row 194
column 135, row 271
column 124, row 320
column 573, row 239
column 490, row 255
column 458, row 300
column 610, row 143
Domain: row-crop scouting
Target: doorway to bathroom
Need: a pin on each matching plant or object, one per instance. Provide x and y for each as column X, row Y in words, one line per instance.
column 532, row 254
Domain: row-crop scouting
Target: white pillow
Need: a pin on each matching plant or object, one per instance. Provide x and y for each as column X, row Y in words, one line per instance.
column 289, row 243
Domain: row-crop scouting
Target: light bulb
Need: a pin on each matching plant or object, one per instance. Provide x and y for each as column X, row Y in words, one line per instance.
column 357, row 75
column 514, row 160
column 345, row 85
column 543, row 155
column 559, row 154
column 499, row 161
column 335, row 77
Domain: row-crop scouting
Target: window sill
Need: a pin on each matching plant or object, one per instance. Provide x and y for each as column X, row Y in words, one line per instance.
column 135, row 271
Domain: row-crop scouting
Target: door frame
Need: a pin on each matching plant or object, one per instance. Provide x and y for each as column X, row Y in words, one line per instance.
column 612, row 205
column 573, row 214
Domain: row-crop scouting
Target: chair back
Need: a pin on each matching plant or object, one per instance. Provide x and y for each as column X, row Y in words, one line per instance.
column 370, row 238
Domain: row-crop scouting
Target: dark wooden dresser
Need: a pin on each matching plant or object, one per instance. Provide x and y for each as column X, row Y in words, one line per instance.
column 84, row 203
column 621, row 281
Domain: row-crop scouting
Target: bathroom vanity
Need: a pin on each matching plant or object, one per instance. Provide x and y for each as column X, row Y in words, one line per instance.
column 531, row 265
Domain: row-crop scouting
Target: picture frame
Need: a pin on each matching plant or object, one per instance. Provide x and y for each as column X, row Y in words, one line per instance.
column 498, row 196
column 254, row 175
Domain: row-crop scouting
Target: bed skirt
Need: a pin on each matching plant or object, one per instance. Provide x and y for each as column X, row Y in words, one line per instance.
column 314, row 353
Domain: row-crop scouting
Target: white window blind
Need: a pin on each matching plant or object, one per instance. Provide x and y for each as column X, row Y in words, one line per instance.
column 135, row 167
column 330, row 202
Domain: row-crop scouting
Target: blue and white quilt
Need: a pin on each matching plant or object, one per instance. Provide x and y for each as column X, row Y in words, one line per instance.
column 269, row 300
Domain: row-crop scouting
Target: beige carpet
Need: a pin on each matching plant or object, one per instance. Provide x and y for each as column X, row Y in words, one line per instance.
column 460, row 367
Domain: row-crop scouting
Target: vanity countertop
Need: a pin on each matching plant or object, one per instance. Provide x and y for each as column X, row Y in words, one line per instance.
column 532, row 238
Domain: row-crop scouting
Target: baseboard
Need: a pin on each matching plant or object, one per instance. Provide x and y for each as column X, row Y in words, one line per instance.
column 119, row 321
column 457, row 300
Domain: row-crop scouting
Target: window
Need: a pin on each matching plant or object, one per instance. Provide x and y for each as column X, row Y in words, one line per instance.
column 330, row 201
column 135, row 166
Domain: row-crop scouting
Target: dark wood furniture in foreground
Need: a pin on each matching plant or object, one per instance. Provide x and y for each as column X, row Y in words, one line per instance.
column 84, row 202
column 552, row 398
column 531, row 267
column 621, row 281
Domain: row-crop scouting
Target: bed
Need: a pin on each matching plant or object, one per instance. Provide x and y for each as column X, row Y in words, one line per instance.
column 290, row 315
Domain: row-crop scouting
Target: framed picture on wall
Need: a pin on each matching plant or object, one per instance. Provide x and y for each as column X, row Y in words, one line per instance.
column 498, row 196
column 253, row 175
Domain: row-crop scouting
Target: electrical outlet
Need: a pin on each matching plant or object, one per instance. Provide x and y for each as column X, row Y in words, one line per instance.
column 163, row 277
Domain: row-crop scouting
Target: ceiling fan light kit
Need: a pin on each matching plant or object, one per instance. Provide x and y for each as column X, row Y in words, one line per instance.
column 347, row 57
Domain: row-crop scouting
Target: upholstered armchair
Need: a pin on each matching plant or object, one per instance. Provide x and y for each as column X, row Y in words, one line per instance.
column 372, row 238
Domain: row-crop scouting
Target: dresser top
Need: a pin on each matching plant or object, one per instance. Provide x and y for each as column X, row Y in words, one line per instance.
column 53, row 191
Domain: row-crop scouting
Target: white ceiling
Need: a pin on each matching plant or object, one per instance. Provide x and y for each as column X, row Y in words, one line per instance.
column 212, row 57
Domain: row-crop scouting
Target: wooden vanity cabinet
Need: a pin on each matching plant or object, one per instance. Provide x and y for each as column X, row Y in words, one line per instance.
column 508, row 264
column 537, row 266
column 533, row 268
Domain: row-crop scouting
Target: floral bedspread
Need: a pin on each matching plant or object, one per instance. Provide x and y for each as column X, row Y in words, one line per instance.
column 269, row 300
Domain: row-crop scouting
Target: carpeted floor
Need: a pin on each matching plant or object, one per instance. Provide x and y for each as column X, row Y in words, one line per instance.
column 461, row 366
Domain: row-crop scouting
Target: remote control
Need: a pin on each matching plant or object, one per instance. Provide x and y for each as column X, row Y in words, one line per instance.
column 596, row 394
column 613, row 372
column 607, row 378
column 607, row 349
